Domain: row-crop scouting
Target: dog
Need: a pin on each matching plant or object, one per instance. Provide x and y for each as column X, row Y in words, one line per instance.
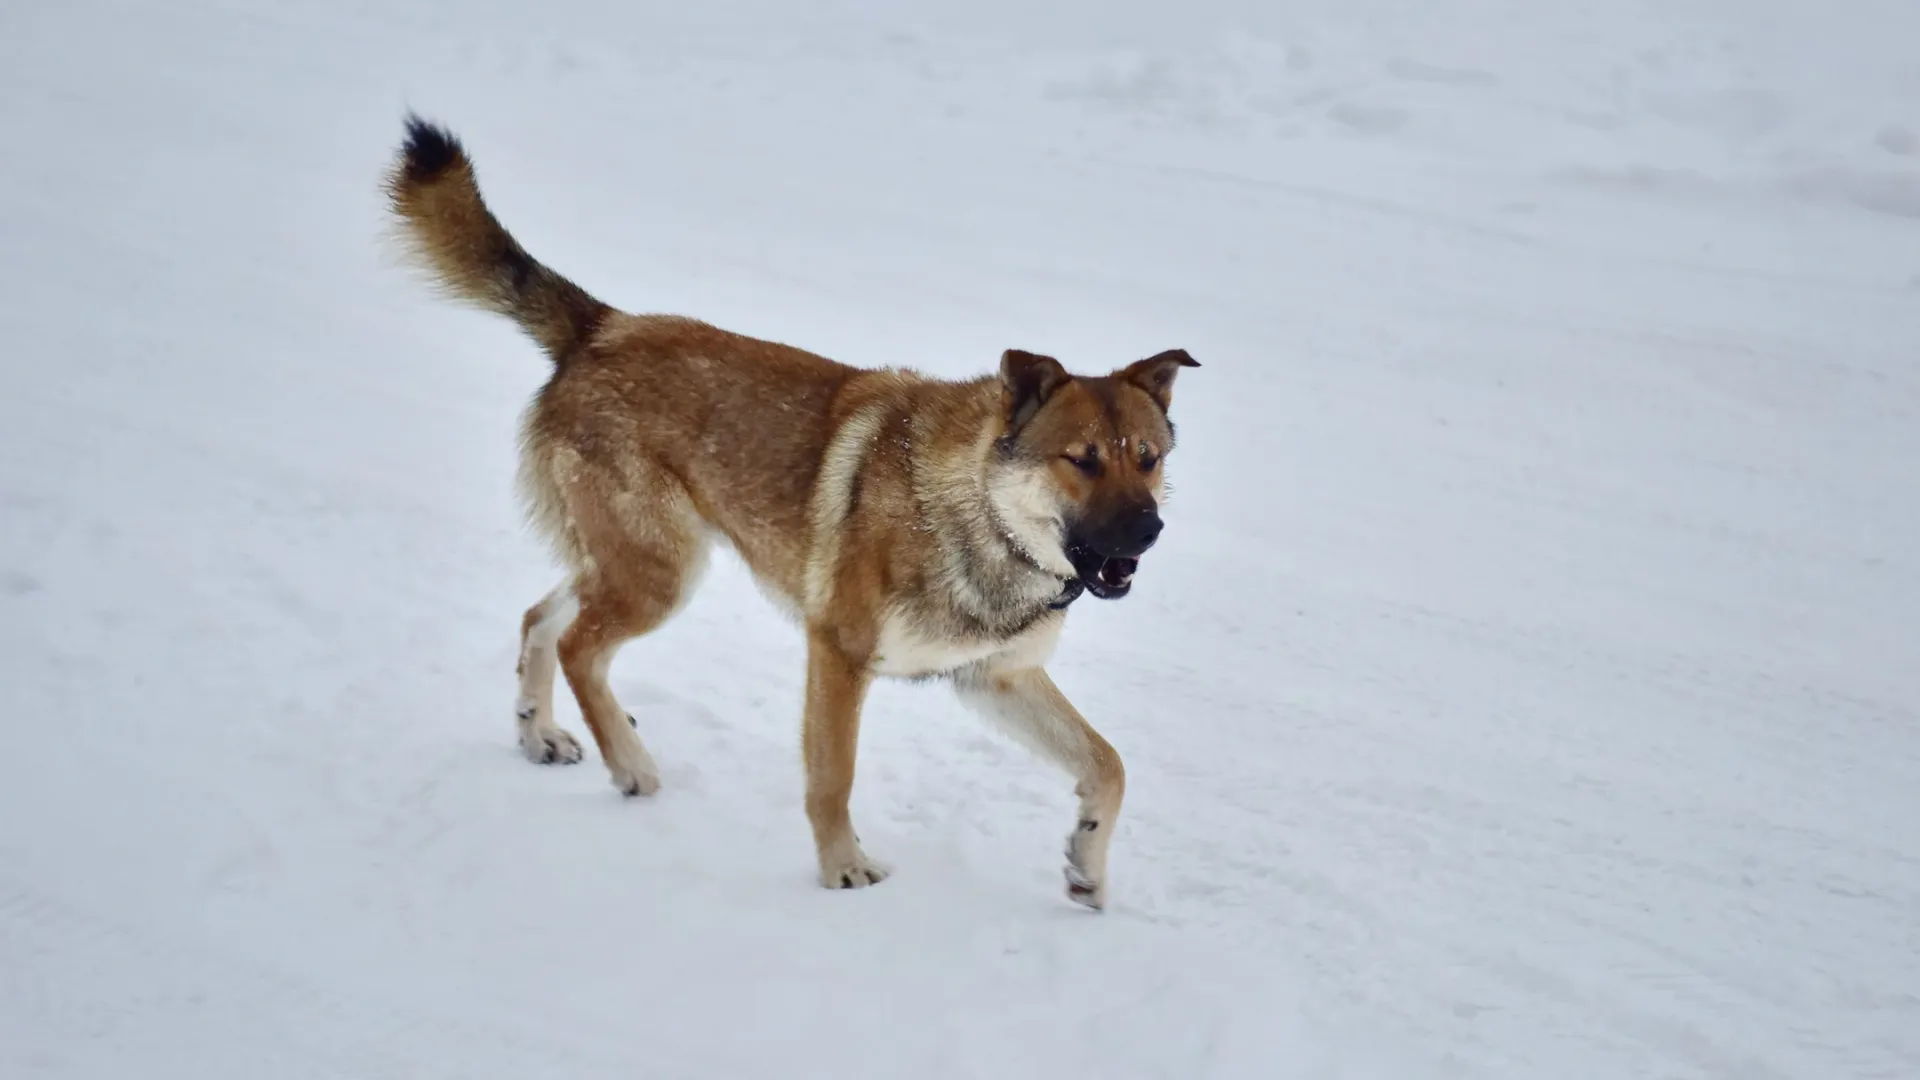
column 914, row 528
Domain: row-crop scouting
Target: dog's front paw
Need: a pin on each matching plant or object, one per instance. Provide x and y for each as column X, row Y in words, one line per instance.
column 549, row 745
column 635, row 781
column 630, row 767
column 854, row 871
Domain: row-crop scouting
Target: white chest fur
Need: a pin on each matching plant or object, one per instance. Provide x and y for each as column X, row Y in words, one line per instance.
column 908, row 650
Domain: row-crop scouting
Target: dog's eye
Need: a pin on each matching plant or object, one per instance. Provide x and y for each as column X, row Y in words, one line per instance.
column 1089, row 464
column 1148, row 460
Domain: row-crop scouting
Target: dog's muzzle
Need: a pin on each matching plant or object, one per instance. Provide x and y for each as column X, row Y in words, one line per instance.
column 1107, row 558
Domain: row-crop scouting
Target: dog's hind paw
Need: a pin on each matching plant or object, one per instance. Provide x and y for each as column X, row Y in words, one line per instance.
column 857, row 872
column 1086, row 885
column 548, row 745
column 1085, row 891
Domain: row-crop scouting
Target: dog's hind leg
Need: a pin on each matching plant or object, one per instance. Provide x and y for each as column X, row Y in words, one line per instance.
column 643, row 547
column 609, row 617
column 541, row 739
column 1028, row 706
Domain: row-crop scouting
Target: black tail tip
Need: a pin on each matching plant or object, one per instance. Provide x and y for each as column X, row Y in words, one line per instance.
column 430, row 150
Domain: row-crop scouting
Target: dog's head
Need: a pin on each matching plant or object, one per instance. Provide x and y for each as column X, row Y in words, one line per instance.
column 1079, row 470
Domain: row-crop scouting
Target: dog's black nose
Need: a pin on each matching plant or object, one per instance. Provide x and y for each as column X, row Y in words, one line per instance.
column 1132, row 533
column 1147, row 530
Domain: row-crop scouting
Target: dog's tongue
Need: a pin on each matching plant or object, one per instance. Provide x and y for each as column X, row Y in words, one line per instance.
column 1117, row 572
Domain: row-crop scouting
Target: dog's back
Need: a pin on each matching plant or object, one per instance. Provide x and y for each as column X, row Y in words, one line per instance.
column 730, row 425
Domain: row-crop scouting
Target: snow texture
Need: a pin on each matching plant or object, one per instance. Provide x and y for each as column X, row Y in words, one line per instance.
column 1527, row 685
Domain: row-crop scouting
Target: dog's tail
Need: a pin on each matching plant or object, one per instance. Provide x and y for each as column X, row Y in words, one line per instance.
column 450, row 231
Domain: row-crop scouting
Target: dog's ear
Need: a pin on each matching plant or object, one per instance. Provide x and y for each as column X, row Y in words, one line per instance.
column 1155, row 374
column 1027, row 380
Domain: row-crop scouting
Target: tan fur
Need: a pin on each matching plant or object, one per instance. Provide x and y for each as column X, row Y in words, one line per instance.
column 916, row 527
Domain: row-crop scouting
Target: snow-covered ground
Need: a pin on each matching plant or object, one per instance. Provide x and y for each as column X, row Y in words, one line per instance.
column 1528, row 683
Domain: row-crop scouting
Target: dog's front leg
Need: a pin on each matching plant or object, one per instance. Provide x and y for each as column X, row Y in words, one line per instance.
column 836, row 689
column 1032, row 709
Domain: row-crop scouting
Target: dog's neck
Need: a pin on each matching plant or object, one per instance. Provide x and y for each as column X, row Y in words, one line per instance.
column 999, row 561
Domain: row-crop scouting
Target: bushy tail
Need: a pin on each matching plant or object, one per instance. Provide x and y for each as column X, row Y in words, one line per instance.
column 450, row 230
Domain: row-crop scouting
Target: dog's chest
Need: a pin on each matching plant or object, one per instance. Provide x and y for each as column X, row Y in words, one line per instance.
column 912, row 647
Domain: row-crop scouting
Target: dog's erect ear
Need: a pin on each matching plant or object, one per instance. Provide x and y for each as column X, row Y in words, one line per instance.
column 1027, row 380
column 1155, row 373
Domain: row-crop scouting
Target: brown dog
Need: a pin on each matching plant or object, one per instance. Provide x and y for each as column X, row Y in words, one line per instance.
column 915, row 527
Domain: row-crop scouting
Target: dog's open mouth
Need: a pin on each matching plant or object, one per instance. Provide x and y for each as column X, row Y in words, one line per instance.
column 1108, row 579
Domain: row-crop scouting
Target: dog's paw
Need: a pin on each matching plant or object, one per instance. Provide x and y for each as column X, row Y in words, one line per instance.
column 636, row 782
column 1085, row 891
column 856, row 872
column 548, row 745
column 631, row 768
column 1086, row 886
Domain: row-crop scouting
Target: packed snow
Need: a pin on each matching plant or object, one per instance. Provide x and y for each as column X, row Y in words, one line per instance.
column 1527, row 683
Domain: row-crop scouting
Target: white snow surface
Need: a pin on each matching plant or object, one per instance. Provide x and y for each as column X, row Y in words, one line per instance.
column 1527, row 684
